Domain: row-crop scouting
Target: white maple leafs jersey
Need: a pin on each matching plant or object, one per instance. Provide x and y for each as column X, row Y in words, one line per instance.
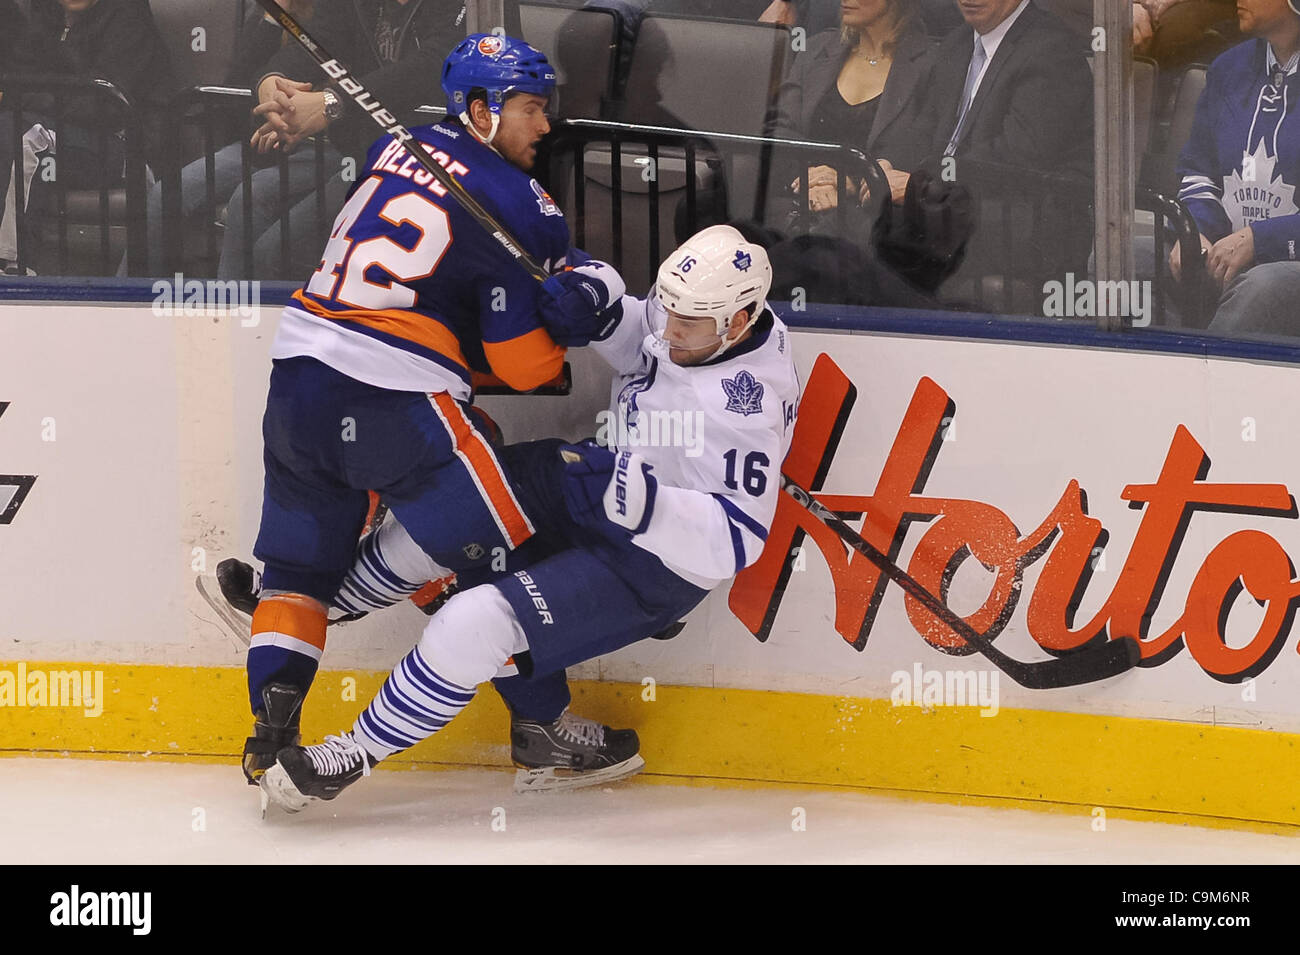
column 715, row 434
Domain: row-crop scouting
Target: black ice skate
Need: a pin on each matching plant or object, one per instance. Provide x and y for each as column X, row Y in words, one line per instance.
column 570, row 753
column 303, row 775
column 275, row 727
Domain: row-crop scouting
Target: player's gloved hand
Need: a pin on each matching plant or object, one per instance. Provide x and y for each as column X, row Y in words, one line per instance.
column 583, row 303
column 603, row 487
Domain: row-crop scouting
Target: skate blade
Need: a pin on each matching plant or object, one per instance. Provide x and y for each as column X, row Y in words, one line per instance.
column 237, row 623
column 279, row 789
column 556, row 778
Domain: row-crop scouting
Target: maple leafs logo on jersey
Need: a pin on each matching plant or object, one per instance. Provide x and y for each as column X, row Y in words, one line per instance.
column 744, row 394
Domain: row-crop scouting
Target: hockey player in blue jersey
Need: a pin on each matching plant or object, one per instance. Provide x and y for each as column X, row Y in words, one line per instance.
column 372, row 363
column 630, row 536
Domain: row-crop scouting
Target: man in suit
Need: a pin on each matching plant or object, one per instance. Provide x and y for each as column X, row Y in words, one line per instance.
column 1009, row 102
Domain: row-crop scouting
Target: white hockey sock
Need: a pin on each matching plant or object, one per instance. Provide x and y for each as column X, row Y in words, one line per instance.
column 389, row 567
column 465, row 644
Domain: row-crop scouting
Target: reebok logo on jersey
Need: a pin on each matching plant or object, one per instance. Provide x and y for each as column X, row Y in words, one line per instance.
column 539, row 602
column 744, row 394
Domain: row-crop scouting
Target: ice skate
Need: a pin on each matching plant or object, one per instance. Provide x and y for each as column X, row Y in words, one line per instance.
column 275, row 727
column 303, row 775
column 571, row 753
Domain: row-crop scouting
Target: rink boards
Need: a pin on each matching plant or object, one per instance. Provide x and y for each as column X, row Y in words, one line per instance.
column 1054, row 494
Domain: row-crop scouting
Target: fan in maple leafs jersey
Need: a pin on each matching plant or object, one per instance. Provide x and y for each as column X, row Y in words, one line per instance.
column 1239, row 171
column 633, row 529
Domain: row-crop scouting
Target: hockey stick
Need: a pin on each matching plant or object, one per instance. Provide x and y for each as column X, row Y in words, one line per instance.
column 1115, row 657
column 386, row 121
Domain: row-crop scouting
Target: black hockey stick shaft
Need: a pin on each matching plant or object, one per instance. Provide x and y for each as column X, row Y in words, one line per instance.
column 386, row 121
column 1113, row 658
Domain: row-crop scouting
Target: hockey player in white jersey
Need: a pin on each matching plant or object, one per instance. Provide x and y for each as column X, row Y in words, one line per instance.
column 631, row 535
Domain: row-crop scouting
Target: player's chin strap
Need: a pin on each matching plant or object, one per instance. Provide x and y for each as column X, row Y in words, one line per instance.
column 473, row 130
column 728, row 342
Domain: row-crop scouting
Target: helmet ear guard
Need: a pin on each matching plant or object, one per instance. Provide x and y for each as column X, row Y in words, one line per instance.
column 713, row 275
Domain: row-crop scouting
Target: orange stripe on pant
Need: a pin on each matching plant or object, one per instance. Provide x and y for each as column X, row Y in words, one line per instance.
column 471, row 448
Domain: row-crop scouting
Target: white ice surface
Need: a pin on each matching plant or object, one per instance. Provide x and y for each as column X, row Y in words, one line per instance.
column 89, row 811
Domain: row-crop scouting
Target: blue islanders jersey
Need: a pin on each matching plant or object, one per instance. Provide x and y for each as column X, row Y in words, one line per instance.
column 412, row 294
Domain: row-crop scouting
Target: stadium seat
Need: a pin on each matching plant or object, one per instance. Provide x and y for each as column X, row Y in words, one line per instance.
column 219, row 20
column 678, row 68
column 681, row 65
column 581, row 46
column 1172, row 133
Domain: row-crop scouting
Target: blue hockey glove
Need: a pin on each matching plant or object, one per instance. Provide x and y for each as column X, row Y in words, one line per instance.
column 583, row 303
column 602, row 487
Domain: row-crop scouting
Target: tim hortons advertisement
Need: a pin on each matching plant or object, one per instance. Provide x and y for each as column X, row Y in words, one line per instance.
column 1057, row 500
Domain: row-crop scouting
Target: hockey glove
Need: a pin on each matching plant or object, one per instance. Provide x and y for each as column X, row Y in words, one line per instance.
column 603, row 487
column 583, row 303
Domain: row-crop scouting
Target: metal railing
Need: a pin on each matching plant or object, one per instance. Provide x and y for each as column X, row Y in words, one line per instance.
column 205, row 120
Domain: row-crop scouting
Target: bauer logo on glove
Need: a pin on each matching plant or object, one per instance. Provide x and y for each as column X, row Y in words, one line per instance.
column 630, row 496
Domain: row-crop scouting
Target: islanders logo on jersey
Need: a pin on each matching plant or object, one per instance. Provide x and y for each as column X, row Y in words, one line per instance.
column 744, row 394
column 544, row 200
column 491, row 45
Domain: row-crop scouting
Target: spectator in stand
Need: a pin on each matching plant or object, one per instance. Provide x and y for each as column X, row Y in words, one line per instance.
column 113, row 40
column 1010, row 93
column 859, row 85
column 395, row 48
column 33, row 141
column 259, row 40
column 1240, row 170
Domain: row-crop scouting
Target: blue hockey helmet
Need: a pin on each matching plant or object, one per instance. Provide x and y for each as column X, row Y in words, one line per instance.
column 498, row 65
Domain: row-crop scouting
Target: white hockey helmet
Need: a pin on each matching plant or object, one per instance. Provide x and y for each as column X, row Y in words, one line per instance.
column 714, row 274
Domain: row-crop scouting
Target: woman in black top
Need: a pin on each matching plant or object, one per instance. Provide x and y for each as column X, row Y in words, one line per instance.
column 858, row 86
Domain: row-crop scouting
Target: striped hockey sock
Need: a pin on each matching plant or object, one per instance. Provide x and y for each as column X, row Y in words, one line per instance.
column 389, row 567
column 413, row 704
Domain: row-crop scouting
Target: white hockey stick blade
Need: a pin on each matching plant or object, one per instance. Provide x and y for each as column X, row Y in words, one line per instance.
column 238, row 625
column 555, row 778
column 279, row 789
